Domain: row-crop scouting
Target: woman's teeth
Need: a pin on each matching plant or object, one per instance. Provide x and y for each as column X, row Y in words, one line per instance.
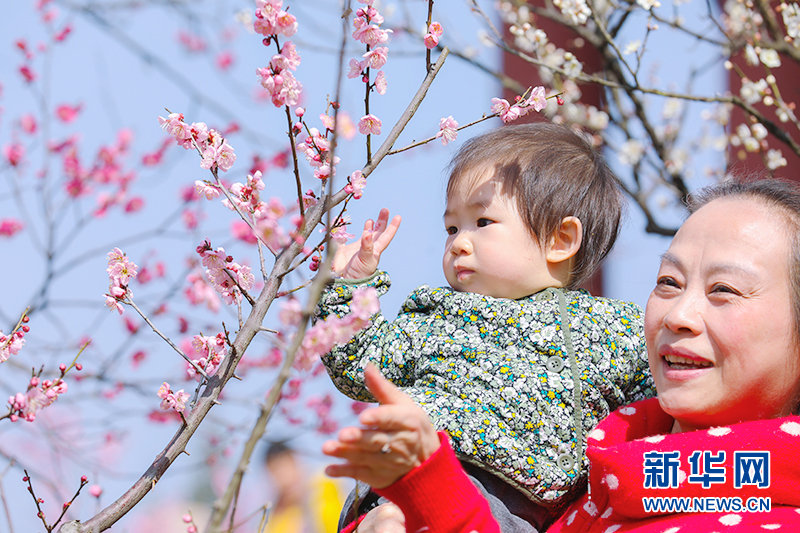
column 682, row 363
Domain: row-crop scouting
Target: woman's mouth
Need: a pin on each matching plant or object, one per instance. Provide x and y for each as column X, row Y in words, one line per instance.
column 677, row 362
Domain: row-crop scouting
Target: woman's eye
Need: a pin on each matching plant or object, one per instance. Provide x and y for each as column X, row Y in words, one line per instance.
column 483, row 222
column 667, row 281
column 723, row 289
column 451, row 230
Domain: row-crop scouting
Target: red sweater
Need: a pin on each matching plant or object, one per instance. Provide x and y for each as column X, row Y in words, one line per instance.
column 438, row 497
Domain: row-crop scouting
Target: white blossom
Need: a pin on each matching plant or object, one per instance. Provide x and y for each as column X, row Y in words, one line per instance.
column 770, row 58
column 775, row 159
column 576, row 10
column 648, row 4
column 751, row 92
column 632, row 47
column 759, row 131
column 631, row 152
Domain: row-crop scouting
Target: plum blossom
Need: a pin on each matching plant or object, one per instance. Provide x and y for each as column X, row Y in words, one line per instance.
column 355, row 69
column 507, row 112
column 227, row 277
column 10, row 226
column 218, row 156
column 67, row 113
column 272, row 20
column 320, row 338
column 537, row 99
column 577, row 10
column 172, row 400
column 369, row 124
column 376, row 58
column 121, row 271
column 206, row 190
column 199, row 292
column 380, row 83
column 356, row 184
column 214, row 149
column 775, row 159
column 448, row 130
column 752, row 92
column 40, row 394
column 14, row 153
column 212, row 351
column 648, row 4
column 631, row 152
column 770, row 58
column 11, row 344
column 431, row 39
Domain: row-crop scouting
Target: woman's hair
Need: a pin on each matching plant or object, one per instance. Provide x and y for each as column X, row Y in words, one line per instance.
column 772, row 192
column 552, row 173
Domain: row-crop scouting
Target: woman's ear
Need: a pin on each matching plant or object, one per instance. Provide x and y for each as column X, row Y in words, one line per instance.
column 566, row 241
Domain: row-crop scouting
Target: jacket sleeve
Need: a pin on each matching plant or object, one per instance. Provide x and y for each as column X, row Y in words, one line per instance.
column 639, row 384
column 383, row 342
column 438, row 497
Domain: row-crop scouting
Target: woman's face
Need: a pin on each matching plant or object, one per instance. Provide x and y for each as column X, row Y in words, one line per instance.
column 719, row 322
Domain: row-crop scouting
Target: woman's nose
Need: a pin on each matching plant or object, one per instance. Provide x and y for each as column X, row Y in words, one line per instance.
column 685, row 314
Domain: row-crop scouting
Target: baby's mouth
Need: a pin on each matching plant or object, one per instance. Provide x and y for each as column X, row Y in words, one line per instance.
column 683, row 363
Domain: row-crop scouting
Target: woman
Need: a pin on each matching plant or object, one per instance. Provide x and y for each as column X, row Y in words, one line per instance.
column 714, row 451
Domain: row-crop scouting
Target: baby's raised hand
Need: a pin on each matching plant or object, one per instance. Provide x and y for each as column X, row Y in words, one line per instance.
column 360, row 259
column 396, row 437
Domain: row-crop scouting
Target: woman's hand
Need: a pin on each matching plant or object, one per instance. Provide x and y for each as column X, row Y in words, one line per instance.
column 396, row 438
column 360, row 259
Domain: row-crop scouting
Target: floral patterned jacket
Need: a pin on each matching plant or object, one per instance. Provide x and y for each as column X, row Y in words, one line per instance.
column 516, row 384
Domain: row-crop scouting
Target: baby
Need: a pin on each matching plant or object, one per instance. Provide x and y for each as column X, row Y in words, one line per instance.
column 512, row 361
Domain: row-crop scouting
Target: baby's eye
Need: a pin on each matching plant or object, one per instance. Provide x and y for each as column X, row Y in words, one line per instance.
column 451, row 230
column 483, row 222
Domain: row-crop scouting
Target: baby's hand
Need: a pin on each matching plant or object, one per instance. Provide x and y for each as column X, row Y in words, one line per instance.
column 360, row 259
column 396, row 438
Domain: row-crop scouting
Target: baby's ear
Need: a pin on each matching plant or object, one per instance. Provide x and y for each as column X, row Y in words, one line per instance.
column 566, row 241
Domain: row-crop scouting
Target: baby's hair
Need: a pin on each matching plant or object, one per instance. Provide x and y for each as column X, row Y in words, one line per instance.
column 552, row 173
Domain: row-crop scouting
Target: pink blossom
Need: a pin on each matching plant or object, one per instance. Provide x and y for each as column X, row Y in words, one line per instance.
column 226, row 275
column 134, row 204
column 355, row 69
column 271, row 234
column 67, row 113
column 507, row 112
column 291, row 312
column 376, row 58
column 10, row 226
column 96, row 490
column 212, row 351
column 206, row 190
column 340, row 235
column 380, row 83
column 430, row 41
column 201, row 292
column 356, row 184
column 287, row 59
column 191, row 42
column 220, row 156
column 435, row 29
column 190, row 219
column 120, row 272
column 14, row 153
column 175, row 126
column 11, row 344
column 537, row 99
column 224, row 60
column 448, row 130
column 172, row 400
column 241, row 231
column 28, row 123
column 369, row 124
column 28, row 74
column 365, row 302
